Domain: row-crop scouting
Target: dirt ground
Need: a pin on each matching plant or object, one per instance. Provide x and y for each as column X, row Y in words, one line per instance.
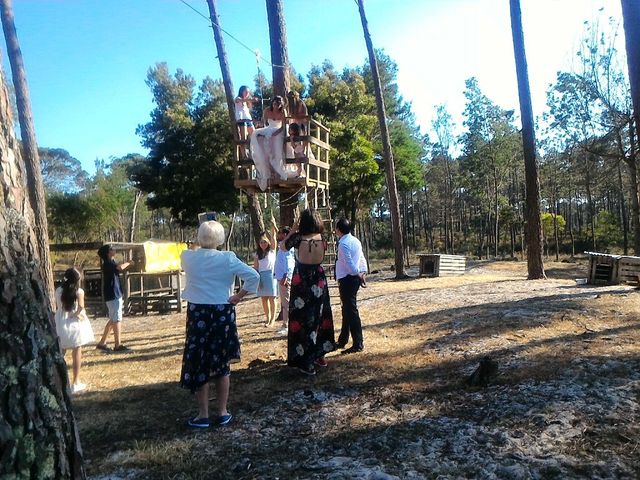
column 564, row 402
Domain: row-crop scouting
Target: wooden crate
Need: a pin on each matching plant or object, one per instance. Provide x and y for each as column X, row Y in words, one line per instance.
column 629, row 270
column 607, row 269
column 603, row 268
column 439, row 265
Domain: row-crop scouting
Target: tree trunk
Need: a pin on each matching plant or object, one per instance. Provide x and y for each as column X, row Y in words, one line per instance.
column 633, row 188
column 37, row 429
column 390, row 170
column 570, row 222
column 134, row 211
column 555, row 224
column 224, row 65
column 496, row 212
column 228, row 90
column 631, row 20
column 590, row 207
column 30, row 148
column 227, row 242
column 255, row 211
column 279, row 54
column 533, row 227
column 623, row 212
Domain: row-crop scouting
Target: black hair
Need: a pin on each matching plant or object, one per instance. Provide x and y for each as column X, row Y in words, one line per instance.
column 277, row 99
column 243, row 89
column 70, row 285
column 310, row 222
column 259, row 251
column 103, row 252
column 285, row 230
column 344, row 226
column 294, row 129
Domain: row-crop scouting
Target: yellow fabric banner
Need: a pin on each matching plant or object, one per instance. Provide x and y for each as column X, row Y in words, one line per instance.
column 162, row 256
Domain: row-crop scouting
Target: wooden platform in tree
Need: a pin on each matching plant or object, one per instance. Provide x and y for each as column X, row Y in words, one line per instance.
column 314, row 159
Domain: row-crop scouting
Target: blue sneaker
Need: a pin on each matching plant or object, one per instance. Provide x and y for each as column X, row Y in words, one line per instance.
column 224, row 419
column 196, row 422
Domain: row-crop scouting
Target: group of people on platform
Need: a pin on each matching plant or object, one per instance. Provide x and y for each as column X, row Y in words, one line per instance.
column 267, row 146
column 295, row 270
column 288, row 265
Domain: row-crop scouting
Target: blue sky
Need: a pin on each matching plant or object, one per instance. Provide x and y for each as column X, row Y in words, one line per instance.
column 87, row 60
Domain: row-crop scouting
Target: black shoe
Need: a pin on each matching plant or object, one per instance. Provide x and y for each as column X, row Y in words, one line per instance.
column 341, row 345
column 121, row 348
column 104, row 348
column 352, row 349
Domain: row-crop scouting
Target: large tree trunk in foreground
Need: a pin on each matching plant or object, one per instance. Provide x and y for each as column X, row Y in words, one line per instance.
column 533, row 226
column 390, row 168
column 31, row 157
column 256, row 215
column 631, row 18
column 38, row 436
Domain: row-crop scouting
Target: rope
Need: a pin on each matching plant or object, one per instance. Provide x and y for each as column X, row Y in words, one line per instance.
column 212, row 24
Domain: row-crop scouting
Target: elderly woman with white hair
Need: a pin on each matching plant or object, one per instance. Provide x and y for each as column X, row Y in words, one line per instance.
column 212, row 337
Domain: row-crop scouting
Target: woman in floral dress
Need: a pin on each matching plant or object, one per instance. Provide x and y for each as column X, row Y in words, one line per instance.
column 311, row 334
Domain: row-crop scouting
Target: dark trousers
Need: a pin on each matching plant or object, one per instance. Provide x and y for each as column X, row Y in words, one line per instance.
column 348, row 287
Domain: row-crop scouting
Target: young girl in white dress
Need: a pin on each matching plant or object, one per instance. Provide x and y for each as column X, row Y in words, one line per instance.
column 72, row 324
column 264, row 263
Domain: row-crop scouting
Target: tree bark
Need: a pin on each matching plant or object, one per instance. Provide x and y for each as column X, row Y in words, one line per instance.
column 623, row 212
column 224, row 65
column 254, row 205
column 134, row 211
column 255, row 211
column 631, row 20
column 37, row 429
column 279, row 53
column 390, row 170
column 533, row 227
column 30, row 147
column 633, row 190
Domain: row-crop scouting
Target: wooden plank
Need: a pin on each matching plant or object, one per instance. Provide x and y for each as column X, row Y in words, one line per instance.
column 320, row 143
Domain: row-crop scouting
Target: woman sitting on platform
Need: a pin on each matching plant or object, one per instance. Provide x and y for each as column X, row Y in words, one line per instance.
column 267, row 144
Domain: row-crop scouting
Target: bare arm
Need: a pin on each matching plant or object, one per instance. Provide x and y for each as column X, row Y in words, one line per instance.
column 123, row 266
column 80, row 299
column 274, row 233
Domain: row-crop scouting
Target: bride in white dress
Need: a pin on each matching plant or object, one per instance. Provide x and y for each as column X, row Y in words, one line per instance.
column 267, row 144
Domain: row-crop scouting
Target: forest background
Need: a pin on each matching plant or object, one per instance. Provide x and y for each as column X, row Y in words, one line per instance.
column 460, row 193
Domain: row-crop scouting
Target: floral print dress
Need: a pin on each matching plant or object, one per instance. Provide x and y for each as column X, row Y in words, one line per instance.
column 211, row 344
column 311, row 333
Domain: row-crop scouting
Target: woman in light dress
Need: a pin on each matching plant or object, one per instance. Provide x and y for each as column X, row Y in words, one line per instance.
column 72, row 324
column 264, row 263
column 267, row 145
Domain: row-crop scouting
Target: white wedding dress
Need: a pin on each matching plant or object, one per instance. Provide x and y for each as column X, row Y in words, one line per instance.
column 268, row 154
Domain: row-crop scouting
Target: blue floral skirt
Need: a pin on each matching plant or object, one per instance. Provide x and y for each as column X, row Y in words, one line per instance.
column 311, row 334
column 211, row 344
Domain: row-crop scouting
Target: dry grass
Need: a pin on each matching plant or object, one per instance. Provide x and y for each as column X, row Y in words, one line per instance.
column 422, row 337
